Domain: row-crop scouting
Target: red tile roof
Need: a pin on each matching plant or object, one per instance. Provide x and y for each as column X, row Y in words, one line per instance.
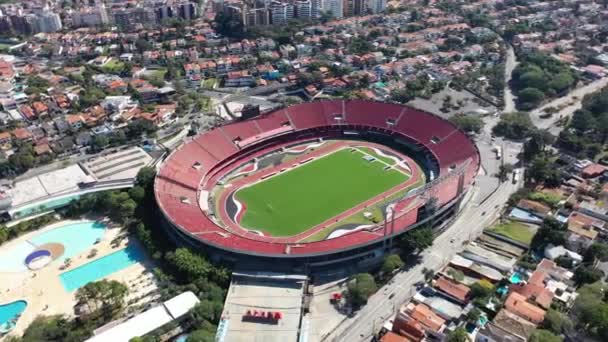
column 517, row 304
column 453, row 289
column 427, row 317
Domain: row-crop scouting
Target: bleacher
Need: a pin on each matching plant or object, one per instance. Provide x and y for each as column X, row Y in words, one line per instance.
column 359, row 112
column 307, row 115
column 204, row 158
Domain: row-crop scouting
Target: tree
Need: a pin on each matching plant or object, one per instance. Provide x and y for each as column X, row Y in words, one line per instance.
column 54, row 328
column 228, row 24
column 597, row 251
column 587, row 275
column 391, row 263
column 207, row 310
column 539, row 139
column 189, row 264
column 482, row 289
column 473, row 315
column 542, row 170
column 402, row 95
column 517, row 125
column 458, row 335
column 540, row 335
column 557, row 322
column 360, row 288
column 105, row 297
column 417, row 239
column 468, row 123
column 551, row 232
column 201, row 336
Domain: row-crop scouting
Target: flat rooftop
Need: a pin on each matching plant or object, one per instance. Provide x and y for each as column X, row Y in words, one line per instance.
column 49, row 184
column 124, row 164
column 262, row 294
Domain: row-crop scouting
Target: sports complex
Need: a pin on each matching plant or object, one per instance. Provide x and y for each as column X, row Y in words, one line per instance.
column 315, row 183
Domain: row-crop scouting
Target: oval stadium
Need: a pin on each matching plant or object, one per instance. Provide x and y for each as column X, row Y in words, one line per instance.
column 315, row 183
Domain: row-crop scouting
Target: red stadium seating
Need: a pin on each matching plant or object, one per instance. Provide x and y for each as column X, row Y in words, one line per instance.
column 332, row 110
column 241, row 130
column 424, row 126
column 359, row 112
column 272, row 121
column 217, row 143
column 214, row 153
column 307, row 115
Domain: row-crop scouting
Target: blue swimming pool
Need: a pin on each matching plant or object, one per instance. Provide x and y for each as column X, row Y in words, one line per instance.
column 76, row 238
column 101, row 268
column 515, row 278
column 11, row 311
column 524, row 215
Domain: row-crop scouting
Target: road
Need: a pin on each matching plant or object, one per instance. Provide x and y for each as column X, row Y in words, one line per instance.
column 566, row 105
column 470, row 223
column 510, row 64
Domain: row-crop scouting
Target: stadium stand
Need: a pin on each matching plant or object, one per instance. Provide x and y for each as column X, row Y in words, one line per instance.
column 203, row 160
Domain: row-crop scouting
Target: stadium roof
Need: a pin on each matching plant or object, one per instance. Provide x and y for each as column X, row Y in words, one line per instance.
column 149, row 320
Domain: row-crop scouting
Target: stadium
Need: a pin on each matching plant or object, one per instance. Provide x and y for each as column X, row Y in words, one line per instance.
column 315, row 183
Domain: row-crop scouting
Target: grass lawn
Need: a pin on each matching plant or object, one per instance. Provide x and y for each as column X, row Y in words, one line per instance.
column 359, row 218
column 290, row 203
column 209, row 83
column 515, row 230
column 114, row 66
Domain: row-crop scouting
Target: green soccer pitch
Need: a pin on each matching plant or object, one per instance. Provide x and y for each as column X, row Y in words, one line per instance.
column 299, row 199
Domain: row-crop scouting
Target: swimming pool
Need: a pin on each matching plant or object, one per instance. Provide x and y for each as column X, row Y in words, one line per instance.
column 515, row 278
column 524, row 215
column 101, row 268
column 75, row 238
column 9, row 312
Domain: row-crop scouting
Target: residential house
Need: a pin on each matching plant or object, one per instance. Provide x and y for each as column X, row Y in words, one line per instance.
column 517, row 304
column 593, row 170
column 514, row 324
column 40, row 108
column 452, row 289
column 239, row 79
column 42, row 149
column 63, row 145
column 583, row 230
column 408, row 327
column 75, row 122
column 27, row 112
column 5, row 139
column 392, row 337
column 22, row 134
column 426, row 317
column 535, row 207
column 493, row 333
column 534, row 290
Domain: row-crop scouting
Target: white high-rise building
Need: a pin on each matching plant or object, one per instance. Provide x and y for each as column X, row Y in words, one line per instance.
column 48, row 22
column 376, row 6
column 308, row 9
column 91, row 16
column 335, row 7
column 281, row 12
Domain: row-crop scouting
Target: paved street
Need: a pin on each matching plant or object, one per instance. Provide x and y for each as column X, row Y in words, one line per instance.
column 471, row 222
column 567, row 105
column 510, row 64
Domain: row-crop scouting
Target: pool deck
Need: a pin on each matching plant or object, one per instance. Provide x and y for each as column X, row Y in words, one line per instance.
column 43, row 290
